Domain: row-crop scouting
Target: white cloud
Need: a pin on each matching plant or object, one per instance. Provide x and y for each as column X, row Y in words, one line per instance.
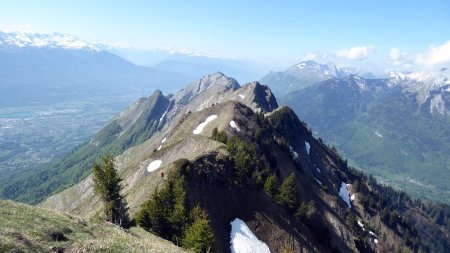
column 355, row 53
column 399, row 59
column 309, row 56
column 436, row 56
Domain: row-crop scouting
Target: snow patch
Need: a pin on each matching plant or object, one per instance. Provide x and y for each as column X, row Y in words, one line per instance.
column 301, row 65
column 241, row 96
column 376, row 241
column 154, row 165
column 162, row 116
column 234, row 125
column 308, row 147
column 372, row 233
column 293, row 153
column 162, row 142
column 318, row 181
column 202, row 125
column 352, row 197
column 361, row 225
column 343, row 193
column 244, row 241
column 378, row 134
column 317, row 168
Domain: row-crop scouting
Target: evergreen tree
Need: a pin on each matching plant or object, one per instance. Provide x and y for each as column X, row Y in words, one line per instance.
column 199, row 236
column 165, row 212
column 289, row 193
column 220, row 136
column 107, row 185
column 271, row 185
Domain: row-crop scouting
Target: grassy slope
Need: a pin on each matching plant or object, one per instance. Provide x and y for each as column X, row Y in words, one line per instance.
column 32, row 229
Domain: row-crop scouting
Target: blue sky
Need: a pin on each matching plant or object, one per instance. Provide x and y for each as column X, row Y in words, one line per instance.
column 280, row 32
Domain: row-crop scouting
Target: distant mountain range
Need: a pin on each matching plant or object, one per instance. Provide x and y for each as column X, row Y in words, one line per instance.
column 305, row 74
column 47, row 68
column 396, row 127
column 192, row 64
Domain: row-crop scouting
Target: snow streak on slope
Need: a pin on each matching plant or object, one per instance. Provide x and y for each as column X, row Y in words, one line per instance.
column 343, row 193
column 202, row 125
column 308, row 147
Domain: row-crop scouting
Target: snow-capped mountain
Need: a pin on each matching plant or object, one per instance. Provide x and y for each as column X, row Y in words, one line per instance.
column 325, row 70
column 307, row 73
column 46, row 68
column 434, row 78
column 54, row 40
column 430, row 88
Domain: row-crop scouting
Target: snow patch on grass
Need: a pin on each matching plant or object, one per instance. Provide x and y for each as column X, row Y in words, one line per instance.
column 244, row 241
column 163, row 140
column 154, row 165
column 159, row 148
column 343, row 193
column 202, row 125
column 353, row 197
column 241, row 96
column 234, row 125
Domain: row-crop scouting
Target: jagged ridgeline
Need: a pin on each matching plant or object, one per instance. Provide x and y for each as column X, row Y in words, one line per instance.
column 254, row 175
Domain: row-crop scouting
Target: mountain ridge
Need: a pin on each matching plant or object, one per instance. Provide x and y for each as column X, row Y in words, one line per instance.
column 281, row 145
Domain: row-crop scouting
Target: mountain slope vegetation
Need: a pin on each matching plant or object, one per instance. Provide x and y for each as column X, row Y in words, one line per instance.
column 383, row 133
column 396, row 128
column 227, row 148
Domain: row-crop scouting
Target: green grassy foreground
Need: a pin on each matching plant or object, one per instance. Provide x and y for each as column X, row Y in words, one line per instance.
column 25, row 228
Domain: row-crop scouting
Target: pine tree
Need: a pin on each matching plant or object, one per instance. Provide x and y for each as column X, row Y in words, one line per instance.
column 199, row 236
column 165, row 212
column 289, row 193
column 107, row 185
column 271, row 185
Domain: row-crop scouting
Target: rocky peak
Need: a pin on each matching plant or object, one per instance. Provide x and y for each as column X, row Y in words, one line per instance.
column 264, row 97
column 216, row 82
